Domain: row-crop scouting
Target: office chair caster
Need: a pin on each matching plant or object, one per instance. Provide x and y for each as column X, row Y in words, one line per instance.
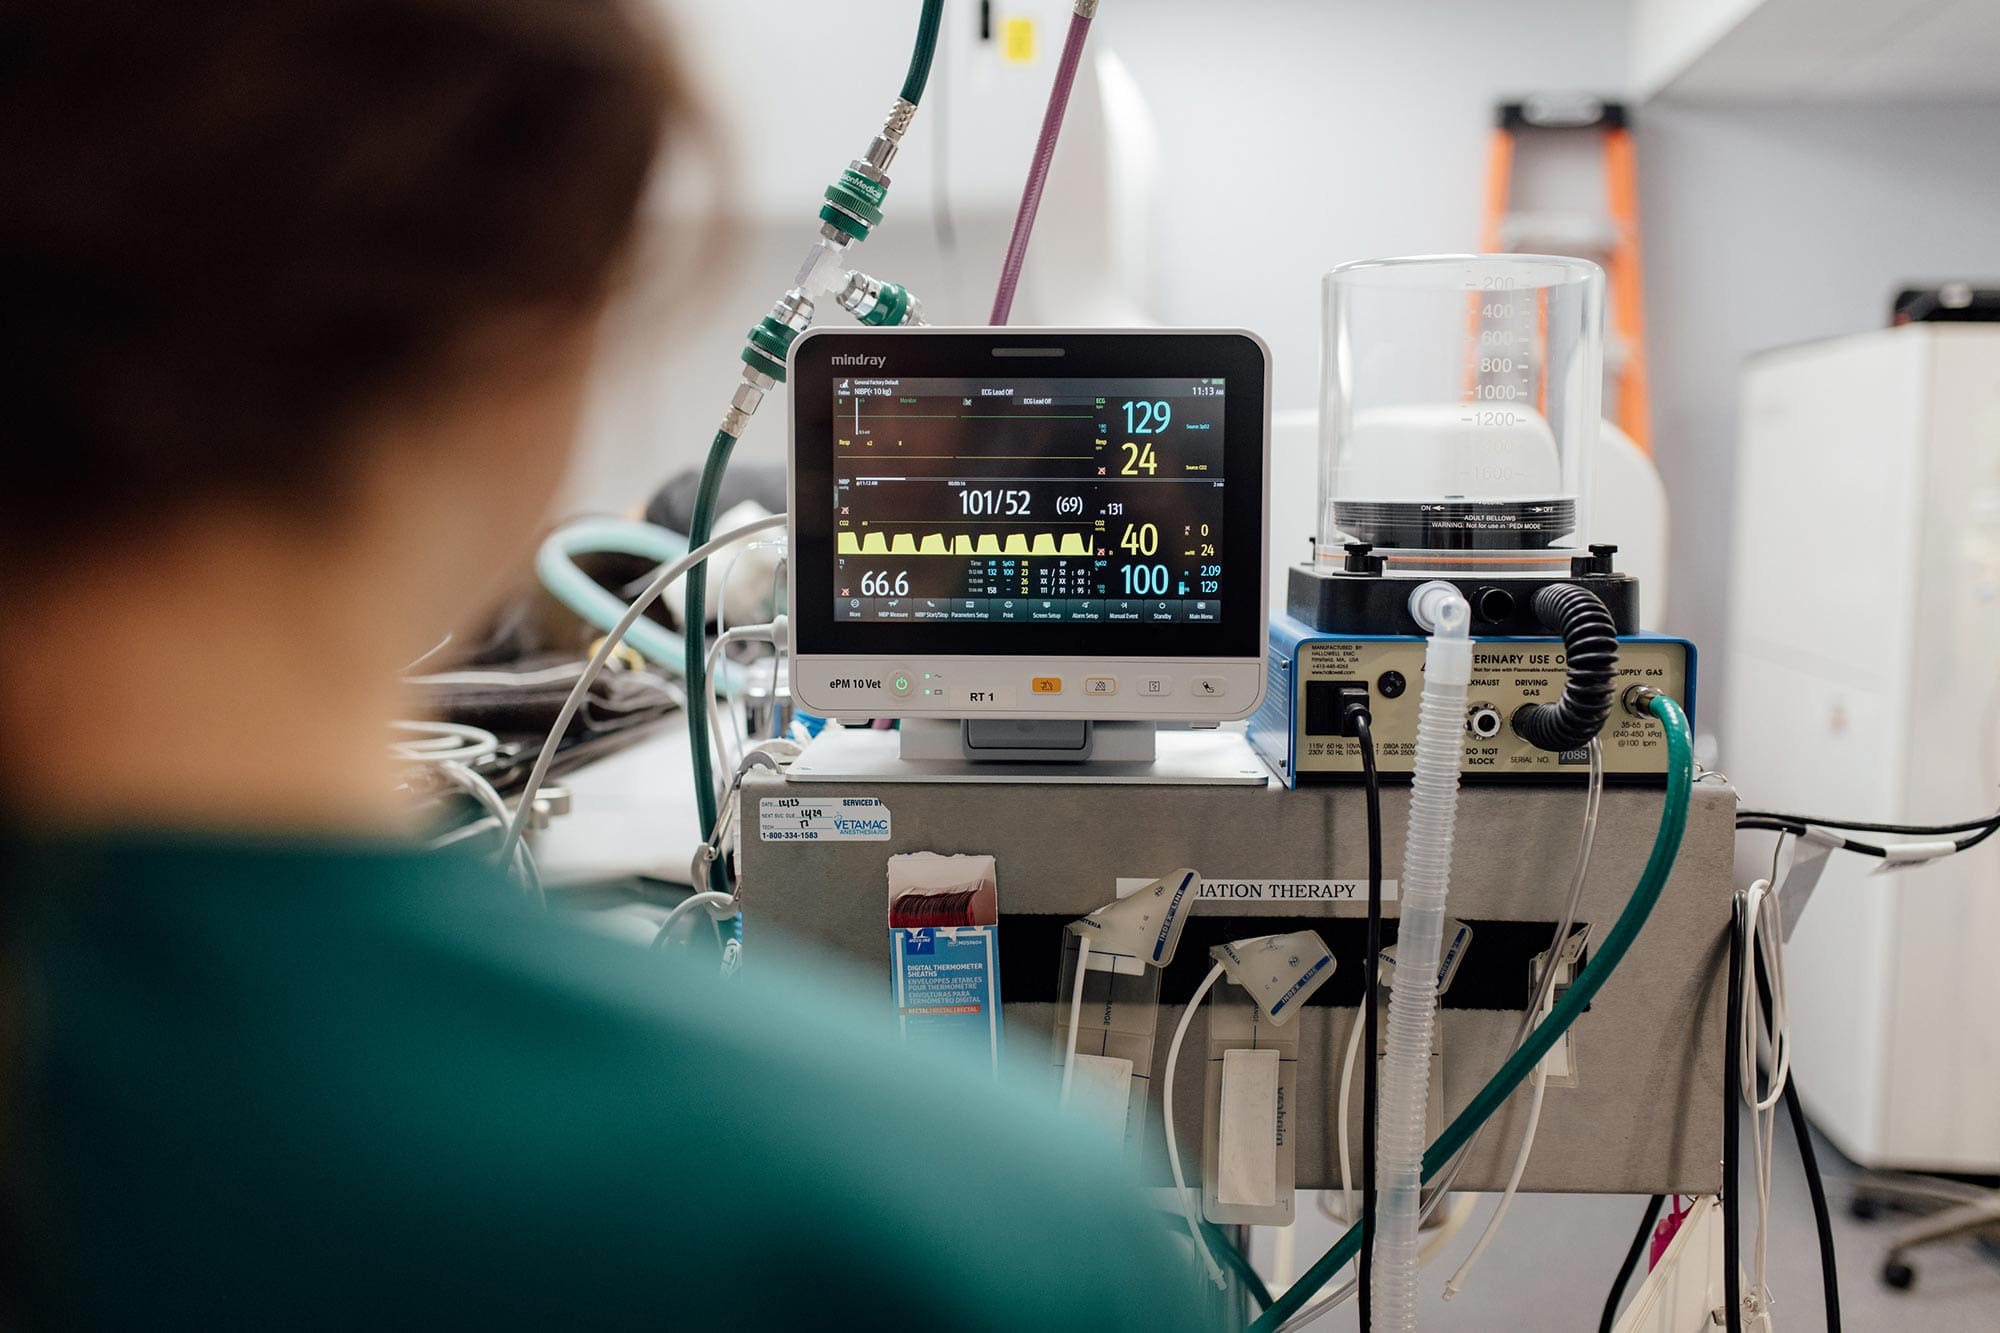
column 1899, row 1275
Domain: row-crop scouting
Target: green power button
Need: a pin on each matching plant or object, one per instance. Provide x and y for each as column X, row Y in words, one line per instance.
column 899, row 684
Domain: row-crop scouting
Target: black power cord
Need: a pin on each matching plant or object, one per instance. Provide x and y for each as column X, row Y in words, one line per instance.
column 1977, row 831
column 1732, row 1096
column 1829, row 1268
column 1864, row 826
column 1631, row 1264
column 1357, row 718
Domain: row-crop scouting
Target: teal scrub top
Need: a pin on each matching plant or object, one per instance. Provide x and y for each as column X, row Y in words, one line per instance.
column 347, row 1085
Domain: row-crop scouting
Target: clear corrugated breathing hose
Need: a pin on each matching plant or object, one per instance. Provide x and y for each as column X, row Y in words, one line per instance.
column 1426, row 879
column 1291, row 1304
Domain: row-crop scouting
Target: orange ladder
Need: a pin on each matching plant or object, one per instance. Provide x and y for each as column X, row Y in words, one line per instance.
column 1613, row 240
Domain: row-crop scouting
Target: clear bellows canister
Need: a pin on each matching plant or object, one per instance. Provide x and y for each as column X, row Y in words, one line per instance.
column 1459, row 411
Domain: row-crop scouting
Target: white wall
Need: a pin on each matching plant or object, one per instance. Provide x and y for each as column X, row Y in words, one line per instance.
column 1299, row 134
column 1296, row 134
column 795, row 90
column 1773, row 225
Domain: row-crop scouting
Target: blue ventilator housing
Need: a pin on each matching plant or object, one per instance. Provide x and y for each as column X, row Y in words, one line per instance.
column 1303, row 733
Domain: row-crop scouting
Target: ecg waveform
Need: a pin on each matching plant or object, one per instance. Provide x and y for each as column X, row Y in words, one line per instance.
column 987, row 543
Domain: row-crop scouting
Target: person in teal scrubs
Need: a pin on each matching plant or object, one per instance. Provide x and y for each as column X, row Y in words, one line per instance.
column 297, row 301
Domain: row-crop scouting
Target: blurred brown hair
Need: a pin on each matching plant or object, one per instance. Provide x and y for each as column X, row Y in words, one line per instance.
column 232, row 229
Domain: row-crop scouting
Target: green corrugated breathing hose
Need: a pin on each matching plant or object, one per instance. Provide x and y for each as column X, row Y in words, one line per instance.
column 1660, row 865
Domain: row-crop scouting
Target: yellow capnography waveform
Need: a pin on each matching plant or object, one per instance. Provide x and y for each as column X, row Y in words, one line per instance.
column 987, row 543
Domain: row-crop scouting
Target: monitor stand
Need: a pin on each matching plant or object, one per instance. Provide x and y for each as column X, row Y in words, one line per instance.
column 1053, row 741
column 1065, row 751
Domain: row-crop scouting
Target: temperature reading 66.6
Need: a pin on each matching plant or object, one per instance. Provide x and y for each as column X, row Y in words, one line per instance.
column 1029, row 499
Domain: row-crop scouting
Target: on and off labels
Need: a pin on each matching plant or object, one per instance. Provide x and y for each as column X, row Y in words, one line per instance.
column 822, row 819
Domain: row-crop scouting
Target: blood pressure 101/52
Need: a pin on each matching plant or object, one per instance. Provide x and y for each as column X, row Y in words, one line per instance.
column 997, row 500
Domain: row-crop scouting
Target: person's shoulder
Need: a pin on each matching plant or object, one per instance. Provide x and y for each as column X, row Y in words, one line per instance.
column 440, row 1067
column 799, row 1115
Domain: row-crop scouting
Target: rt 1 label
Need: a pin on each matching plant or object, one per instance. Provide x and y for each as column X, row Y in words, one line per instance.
column 822, row 819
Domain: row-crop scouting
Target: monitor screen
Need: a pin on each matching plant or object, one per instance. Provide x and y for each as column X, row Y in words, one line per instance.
column 1028, row 521
column 999, row 500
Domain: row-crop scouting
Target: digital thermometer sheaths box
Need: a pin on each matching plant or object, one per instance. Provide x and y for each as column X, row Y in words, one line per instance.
column 944, row 951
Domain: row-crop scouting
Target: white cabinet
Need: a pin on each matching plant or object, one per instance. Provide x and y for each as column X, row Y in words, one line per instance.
column 1864, row 681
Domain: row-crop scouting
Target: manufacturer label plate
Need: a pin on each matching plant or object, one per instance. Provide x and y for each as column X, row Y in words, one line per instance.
column 822, row 819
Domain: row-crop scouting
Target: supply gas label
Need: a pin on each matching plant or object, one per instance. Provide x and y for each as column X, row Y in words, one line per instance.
column 822, row 819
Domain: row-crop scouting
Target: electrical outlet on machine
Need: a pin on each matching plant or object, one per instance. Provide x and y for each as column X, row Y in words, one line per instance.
column 1558, row 1067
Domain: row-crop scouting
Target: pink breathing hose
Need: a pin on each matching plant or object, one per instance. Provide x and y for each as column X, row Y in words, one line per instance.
column 1045, row 152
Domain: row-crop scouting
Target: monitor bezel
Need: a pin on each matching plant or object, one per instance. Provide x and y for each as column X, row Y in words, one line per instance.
column 1235, row 355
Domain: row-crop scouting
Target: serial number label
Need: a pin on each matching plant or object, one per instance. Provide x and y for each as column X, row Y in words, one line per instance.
column 822, row 819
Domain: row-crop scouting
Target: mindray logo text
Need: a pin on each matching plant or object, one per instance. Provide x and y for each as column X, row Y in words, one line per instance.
column 856, row 359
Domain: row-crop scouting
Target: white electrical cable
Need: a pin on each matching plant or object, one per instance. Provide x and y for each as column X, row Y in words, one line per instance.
column 1346, row 1085
column 476, row 787
column 730, row 748
column 1181, row 1190
column 723, row 761
column 489, row 798
column 605, row 647
column 1544, row 988
column 1457, row 1280
column 427, row 654
column 1763, row 929
column 1455, row 1218
column 449, row 749
column 549, row 675
column 718, row 904
column 444, row 743
column 738, row 731
column 1075, row 1014
column 1586, row 844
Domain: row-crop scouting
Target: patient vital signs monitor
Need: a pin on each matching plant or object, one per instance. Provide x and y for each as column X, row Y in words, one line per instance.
column 1029, row 524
